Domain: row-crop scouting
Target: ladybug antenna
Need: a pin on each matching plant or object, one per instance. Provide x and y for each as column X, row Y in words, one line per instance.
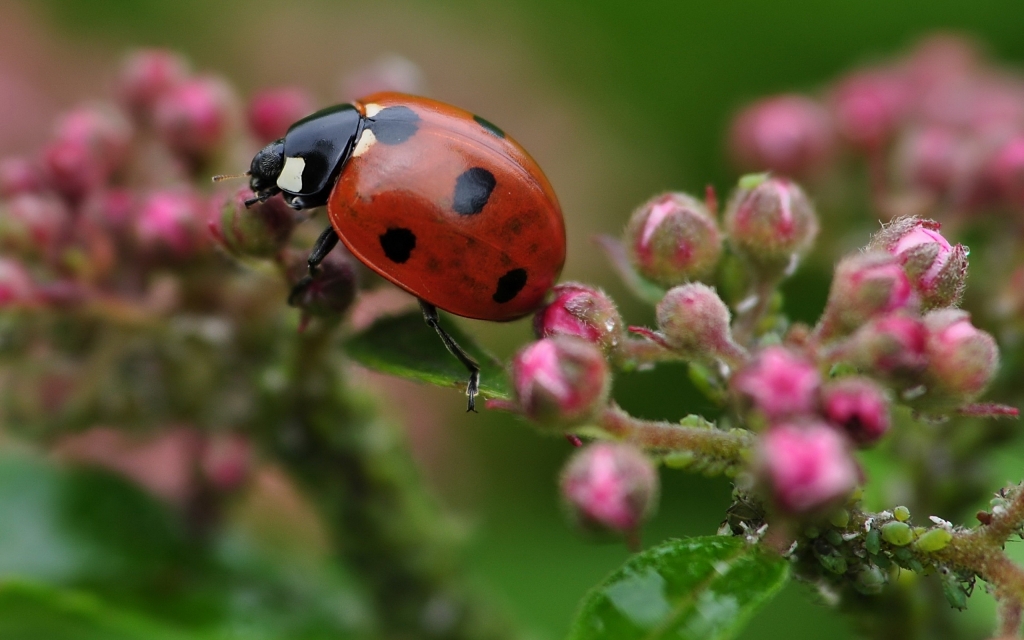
column 232, row 176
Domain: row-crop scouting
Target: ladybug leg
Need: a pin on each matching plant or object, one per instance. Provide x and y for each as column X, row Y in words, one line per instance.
column 327, row 241
column 430, row 316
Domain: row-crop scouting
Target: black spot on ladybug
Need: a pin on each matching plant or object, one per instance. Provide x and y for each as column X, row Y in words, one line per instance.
column 398, row 244
column 393, row 125
column 509, row 285
column 472, row 190
column 490, row 126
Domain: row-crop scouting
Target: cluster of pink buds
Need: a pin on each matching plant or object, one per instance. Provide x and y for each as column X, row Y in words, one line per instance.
column 941, row 128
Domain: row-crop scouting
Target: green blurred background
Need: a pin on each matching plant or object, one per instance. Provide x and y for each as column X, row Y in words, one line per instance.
column 617, row 101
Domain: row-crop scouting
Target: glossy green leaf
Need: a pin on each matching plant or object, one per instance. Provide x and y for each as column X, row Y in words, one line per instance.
column 694, row 589
column 406, row 347
column 30, row 611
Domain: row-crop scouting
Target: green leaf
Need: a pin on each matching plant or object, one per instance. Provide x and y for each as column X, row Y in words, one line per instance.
column 699, row 588
column 406, row 347
column 30, row 611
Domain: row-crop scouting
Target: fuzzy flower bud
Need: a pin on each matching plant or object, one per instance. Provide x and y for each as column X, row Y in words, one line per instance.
column 581, row 311
column 865, row 285
column 172, row 221
column 193, row 118
column 260, row 230
column 673, row 238
column 770, row 221
column 779, row 383
column 868, row 107
column 695, row 322
column 74, row 168
column 937, row 269
column 272, row 111
column 560, row 381
column 102, row 127
column 333, row 288
column 20, row 175
column 859, row 406
column 962, row 359
column 16, row 284
column 807, row 467
column 610, row 487
column 33, row 223
column 787, row 134
column 890, row 347
column 147, row 75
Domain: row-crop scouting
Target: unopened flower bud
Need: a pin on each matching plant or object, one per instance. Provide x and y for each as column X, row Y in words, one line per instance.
column 16, row 284
column 581, row 311
column 1005, row 172
column 33, row 223
column 226, row 461
column 610, row 487
column 673, row 238
column 172, row 221
column 110, row 209
column 865, row 285
column 272, row 111
column 102, row 127
column 807, row 467
column 962, row 359
column 859, row 406
column 560, row 381
column 933, row 159
column 936, row 269
column 74, row 168
column 260, row 230
column 194, row 117
column 20, row 175
column 869, row 106
column 333, row 287
column 770, row 222
column 787, row 134
column 889, row 347
column 779, row 383
column 147, row 75
column 695, row 323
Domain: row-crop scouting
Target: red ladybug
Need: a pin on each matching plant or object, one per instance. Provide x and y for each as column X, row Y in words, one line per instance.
column 435, row 199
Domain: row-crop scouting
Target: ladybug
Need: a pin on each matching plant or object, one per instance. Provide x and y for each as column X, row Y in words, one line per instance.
column 435, row 199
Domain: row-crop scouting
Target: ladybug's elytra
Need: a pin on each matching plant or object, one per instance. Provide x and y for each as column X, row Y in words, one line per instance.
column 435, row 199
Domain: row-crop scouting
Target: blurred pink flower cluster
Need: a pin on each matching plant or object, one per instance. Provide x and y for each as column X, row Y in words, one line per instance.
column 941, row 130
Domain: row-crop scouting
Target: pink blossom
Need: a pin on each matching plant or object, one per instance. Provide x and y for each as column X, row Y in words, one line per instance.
column 581, row 311
column 673, row 238
column 807, row 466
column 272, row 111
column 780, row 383
column 859, row 406
column 787, row 134
column 561, row 380
column 194, row 117
column 610, row 487
column 173, row 220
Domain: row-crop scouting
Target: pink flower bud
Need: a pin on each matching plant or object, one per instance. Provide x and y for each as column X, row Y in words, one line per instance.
column 859, row 406
column 962, row 359
column 194, row 117
column 147, row 75
column 869, row 106
column 890, row 347
column 933, row 159
column 74, row 168
column 173, row 222
column 865, row 285
column 560, row 381
column 779, row 383
column 261, row 230
column 272, row 111
column 610, row 487
column 333, row 288
column 101, row 127
column 388, row 73
column 110, row 209
column 787, row 134
column 226, row 461
column 16, row 284
column 936, row 269
column 807, row 467
column 770, row 222
column 33, row 223
column 695, row 323
column 581, row 311
column 20, row 175
column 1005, row 172
column 673, row 238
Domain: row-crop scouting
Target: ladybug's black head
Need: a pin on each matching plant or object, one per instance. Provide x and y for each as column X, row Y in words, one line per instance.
column 265, row 169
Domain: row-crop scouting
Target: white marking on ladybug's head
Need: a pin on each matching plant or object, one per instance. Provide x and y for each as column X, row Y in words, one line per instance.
column 372, row 109
column 366, row 141
column 290, row 178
